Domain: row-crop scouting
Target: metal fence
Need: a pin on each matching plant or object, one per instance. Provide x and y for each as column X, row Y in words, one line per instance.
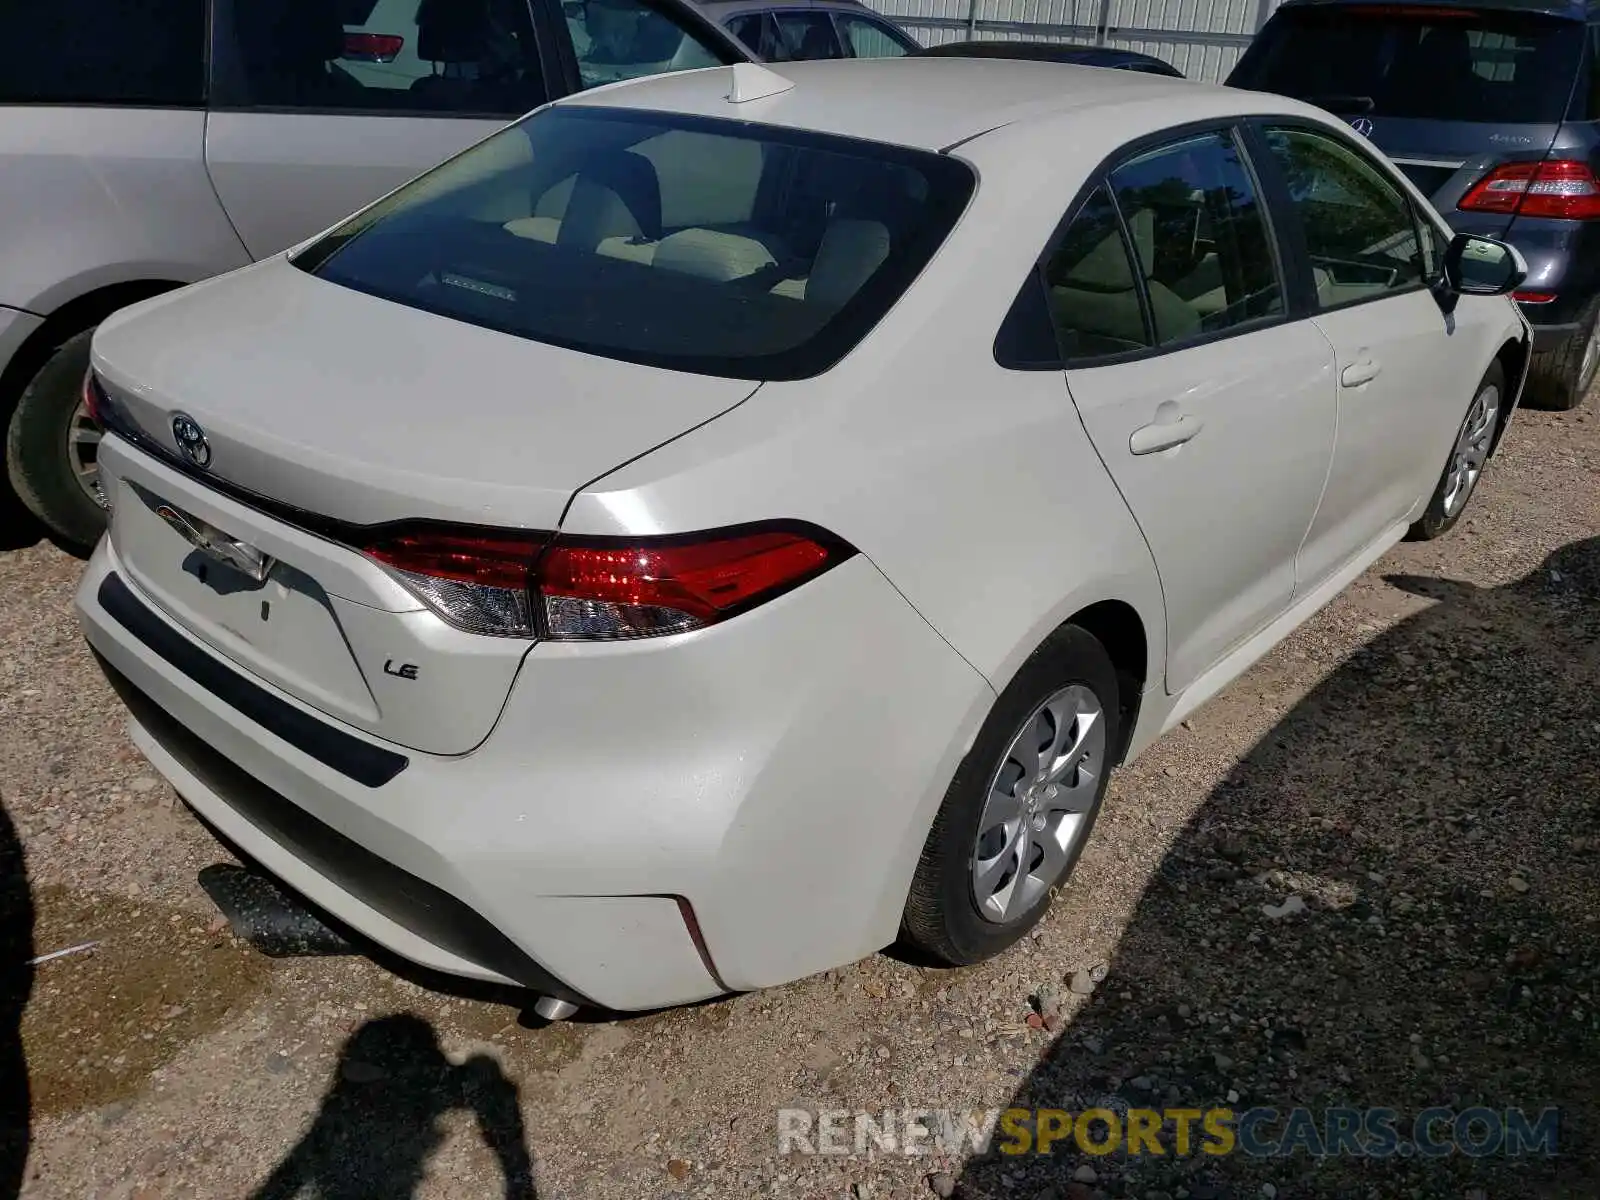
column 1202, row 38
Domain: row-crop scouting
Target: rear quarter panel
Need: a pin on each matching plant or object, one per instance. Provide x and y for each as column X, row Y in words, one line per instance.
column 100, row 196
column 972, row 487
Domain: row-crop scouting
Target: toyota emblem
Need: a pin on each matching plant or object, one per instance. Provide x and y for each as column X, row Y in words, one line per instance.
column 1363, row 126
column 191, row 440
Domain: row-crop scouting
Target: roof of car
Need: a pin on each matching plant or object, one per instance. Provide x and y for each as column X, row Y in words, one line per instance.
column 932, row 103
column 1577, row 10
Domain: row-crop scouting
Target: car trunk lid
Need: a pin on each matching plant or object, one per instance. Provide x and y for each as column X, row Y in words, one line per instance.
column 330, row 417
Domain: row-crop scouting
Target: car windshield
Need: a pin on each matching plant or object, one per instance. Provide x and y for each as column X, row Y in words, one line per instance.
column 712, row 246
column 1445, row 64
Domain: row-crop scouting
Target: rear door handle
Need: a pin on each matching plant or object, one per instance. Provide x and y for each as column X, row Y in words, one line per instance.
column 1358, row 373
column 1163, row 435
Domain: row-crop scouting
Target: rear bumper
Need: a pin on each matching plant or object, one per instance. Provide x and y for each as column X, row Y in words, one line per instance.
column 757, row 770
column 1548, row 337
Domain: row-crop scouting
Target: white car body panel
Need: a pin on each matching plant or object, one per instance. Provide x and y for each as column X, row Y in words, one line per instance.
column 743, row 758
column 1264, row 403
column 1415, row 399
column 79, row 190
column 777, row 771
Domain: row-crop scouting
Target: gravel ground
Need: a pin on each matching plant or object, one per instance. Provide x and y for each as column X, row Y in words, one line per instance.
column 1408, row 785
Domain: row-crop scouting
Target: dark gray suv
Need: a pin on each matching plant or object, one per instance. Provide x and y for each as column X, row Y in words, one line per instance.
column 1492, row 107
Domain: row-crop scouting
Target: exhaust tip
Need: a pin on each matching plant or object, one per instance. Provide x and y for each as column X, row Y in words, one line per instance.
column 552, row 1009
column 268, row 916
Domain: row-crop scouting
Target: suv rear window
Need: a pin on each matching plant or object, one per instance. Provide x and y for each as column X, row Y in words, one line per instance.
column 1446, row 64
column 714, row 246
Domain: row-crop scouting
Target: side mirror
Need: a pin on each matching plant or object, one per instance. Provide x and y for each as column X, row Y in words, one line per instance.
column 1480, row 266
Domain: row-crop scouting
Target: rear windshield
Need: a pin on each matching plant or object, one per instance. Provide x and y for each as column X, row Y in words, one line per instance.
column 1448, row 64
column 712, row 246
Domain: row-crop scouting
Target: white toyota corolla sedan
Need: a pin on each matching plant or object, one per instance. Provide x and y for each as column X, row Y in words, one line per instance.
column 727, row 522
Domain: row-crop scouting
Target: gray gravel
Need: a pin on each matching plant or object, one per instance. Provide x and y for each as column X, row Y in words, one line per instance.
column 1364, row 875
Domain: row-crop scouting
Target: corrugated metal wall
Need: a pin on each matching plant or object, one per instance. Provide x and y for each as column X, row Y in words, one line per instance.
column 1202, row 38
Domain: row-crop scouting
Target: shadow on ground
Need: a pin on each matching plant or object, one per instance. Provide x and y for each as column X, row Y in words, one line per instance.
column 16, row 982
column 18, row 527
column 380, row 1121
column 1435, row 803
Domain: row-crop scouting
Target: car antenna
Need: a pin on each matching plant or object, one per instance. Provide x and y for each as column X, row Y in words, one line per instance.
column 751, row 81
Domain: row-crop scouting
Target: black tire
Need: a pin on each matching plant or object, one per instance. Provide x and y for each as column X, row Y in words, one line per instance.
column 36, row 447
column 942, row 921
column 1554, row 376
column 1435, row 521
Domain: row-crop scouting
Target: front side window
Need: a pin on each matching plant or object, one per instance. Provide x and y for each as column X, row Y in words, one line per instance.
column 804, row 36
column 1200, row 241
column 624, row 39
column 103, row 52
column 715, row 246
column 868, row 38
column 1360, row 230
column 441, row 56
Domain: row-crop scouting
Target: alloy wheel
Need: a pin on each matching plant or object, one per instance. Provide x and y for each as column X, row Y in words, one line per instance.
column 83, row 453
column 1038, row 805
column 1471, row 449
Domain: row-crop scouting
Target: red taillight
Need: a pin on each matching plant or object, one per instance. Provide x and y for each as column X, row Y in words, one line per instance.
column 91, row 398
column 373, row 47
column 490, row 582
column 1561, row 188
column 476, row 581
column 1533, row 297
column 652, row 588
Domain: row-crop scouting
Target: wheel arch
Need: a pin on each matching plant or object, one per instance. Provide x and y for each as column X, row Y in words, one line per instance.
column 1120, row 630
column 1515, row 357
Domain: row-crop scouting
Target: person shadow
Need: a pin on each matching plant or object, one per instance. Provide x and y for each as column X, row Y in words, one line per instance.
column 16, row 984
column 380, row 1121
column 1390, row 903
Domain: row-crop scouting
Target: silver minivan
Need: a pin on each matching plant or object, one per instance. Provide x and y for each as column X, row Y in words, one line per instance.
column 148, row 144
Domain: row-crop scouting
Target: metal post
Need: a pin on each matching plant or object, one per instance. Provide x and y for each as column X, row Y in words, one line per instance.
column 1263, row 11
column 1103, row 22
column 972, row 19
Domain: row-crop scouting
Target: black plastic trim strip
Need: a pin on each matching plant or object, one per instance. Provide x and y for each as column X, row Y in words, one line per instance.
column 369, row 765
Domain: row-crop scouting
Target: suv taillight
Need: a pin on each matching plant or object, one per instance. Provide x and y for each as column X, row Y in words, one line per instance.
column 91, row 397
column 1563, row 188
column 577, row 589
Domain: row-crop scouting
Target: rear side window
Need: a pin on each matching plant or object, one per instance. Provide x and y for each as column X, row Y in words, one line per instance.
column 437, row 56
column 714, row 246
column 136, row 52
column 1199, row 238
column 1447, row 64
column 1094, row 297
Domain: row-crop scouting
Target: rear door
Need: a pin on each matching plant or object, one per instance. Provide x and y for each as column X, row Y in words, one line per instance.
column 1448, row 93
column 1209, row 403
column 319, row 107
